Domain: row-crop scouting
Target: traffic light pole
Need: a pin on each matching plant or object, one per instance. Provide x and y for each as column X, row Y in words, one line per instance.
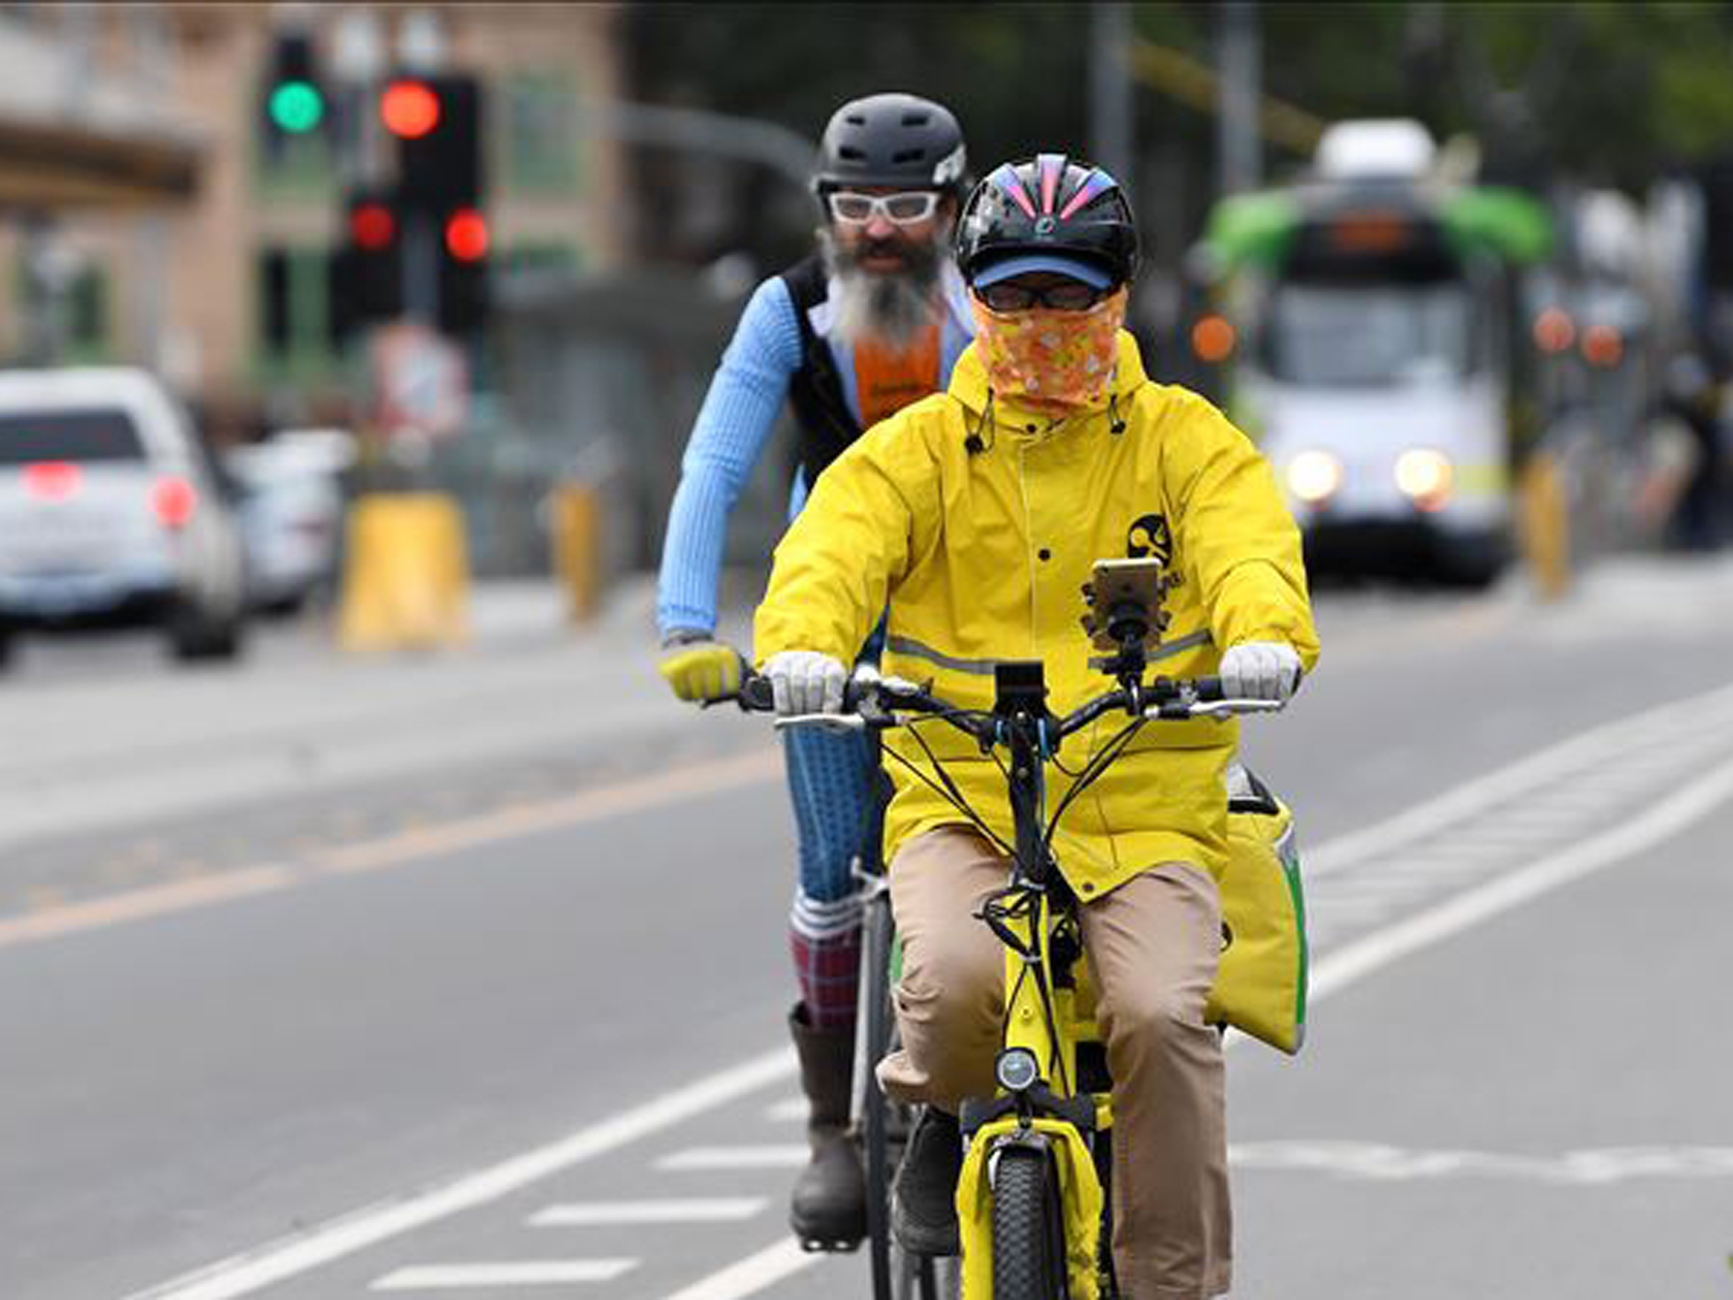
column 421, row 267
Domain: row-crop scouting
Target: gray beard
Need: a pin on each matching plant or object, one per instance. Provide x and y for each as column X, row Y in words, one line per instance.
column 892, row 310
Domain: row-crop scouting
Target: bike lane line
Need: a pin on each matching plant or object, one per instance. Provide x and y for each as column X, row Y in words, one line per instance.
column 251, row 1271
column 1392, row 942
column 396, row 849
column 1363, row 957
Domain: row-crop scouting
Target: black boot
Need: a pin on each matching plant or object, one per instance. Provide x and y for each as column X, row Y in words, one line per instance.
column 828, row 1208
column 924, row 1201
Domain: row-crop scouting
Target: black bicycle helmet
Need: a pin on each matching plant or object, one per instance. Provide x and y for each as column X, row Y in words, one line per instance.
column 1047, row 213
column 892, row 139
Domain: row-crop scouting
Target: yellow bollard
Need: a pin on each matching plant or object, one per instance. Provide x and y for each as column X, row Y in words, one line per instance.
column 576, row 529
column 1545, row 526
column 406, row 576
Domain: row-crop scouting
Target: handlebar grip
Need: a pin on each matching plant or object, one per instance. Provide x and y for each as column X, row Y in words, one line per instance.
column 756, row 695
column 1209, row 689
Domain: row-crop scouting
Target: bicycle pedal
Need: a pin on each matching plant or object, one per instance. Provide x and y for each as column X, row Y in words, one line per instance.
column 827, row 1246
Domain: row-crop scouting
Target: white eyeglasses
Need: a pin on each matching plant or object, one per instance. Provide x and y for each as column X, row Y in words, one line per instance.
column 905, row 209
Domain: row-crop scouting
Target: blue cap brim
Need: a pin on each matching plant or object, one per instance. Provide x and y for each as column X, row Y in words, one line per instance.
column 1077, row 268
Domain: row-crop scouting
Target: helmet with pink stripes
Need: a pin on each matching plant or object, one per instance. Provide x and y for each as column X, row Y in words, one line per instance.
column 1047, row 213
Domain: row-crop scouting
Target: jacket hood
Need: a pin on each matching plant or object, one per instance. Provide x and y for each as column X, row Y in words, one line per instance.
column 969, row 379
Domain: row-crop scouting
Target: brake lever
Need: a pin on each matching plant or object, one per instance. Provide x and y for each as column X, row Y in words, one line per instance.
column 1219, row 710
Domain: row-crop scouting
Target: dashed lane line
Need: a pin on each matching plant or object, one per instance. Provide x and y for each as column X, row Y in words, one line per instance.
column 1661, row 822
column 1582, row 753
column 1376, row 1162
column 253, row 1270
column 469, row 1277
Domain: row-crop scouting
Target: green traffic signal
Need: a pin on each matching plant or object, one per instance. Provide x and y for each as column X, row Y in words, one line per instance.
column 296, row 107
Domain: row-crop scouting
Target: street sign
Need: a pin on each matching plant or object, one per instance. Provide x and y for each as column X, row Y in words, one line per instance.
column 420, row 381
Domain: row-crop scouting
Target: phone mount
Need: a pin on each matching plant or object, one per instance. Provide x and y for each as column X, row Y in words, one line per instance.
column 1125, row 616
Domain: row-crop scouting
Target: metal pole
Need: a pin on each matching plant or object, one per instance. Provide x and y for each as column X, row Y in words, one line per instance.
column 421, row 267
column 1110, row 120
column 1241, row 91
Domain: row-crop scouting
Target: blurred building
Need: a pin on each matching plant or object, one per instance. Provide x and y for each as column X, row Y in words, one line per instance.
column 199, row 240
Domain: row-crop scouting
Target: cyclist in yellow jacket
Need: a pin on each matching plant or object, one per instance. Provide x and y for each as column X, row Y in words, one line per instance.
column 975, row 515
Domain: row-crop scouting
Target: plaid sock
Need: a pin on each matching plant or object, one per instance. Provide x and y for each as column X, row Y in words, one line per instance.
column 828, row 971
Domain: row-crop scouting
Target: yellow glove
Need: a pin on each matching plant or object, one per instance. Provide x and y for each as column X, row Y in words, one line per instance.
column 699, row 668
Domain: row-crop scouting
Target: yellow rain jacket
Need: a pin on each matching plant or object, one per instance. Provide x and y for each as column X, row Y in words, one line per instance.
column 981, row 555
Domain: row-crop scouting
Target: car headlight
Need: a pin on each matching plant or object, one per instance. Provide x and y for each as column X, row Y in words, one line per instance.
column 1314, row 476
column 1425, row 477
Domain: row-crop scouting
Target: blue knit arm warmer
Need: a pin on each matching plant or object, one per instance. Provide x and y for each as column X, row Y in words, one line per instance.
column 732, row 428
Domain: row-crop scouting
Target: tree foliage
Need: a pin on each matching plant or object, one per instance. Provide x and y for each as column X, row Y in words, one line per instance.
column 1606, row 93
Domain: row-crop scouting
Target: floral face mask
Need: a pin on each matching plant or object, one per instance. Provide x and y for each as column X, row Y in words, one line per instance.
column 1058, row 361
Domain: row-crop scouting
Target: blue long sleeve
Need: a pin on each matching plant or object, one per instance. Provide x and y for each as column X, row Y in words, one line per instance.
column 735, row 422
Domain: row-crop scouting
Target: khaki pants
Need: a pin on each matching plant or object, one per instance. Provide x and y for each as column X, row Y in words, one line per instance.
column 1152, row 946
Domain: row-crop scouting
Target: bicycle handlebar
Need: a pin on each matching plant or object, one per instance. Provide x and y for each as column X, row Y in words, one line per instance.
column 1166, row 699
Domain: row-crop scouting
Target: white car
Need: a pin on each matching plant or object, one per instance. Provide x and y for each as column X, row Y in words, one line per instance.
column 291, row 512
column 113, row 510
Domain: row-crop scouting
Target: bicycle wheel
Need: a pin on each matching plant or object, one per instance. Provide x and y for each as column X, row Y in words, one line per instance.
column 1028, row 1236
column 884, row 1124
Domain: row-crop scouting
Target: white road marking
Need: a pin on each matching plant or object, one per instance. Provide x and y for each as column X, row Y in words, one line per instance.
column 1583, row 752
column 1669, row 725
column 714, row 1210
column 751, row 1275
column 746, row 1157
column 254, row 1270
column 788, row 1110
column 1661, row 822
column 465, row 1277
column 1375, row 1162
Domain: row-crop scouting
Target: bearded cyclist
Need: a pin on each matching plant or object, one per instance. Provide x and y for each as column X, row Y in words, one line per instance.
column 976, row 515
column 874, row 319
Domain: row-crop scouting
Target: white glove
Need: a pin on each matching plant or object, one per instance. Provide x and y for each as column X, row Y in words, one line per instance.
column 805, row 681
column 1260, row 670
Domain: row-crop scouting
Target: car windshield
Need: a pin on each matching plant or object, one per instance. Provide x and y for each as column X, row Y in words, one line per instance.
column 1371, row 335
column 75, row 435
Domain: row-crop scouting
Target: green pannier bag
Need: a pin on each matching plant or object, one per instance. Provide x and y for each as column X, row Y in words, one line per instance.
column 1260, row 988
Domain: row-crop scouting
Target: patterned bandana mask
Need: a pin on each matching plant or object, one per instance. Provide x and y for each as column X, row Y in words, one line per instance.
column 1055, row 361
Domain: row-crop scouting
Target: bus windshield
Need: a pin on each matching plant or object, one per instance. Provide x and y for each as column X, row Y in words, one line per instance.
column 1359, row 335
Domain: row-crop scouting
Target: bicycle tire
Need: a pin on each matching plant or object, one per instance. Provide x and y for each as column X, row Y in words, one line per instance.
column 875, row 1109
column 884, row 1125
column 1028, row 1239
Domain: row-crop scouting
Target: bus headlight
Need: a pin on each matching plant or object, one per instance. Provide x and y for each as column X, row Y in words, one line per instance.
column 1425, row 477
column 1314, row 476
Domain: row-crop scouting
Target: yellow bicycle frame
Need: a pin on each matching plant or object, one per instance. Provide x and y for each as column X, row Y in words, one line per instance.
column 1053, row 1040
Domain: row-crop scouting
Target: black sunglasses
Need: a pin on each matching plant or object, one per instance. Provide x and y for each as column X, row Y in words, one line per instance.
column 1072, row 295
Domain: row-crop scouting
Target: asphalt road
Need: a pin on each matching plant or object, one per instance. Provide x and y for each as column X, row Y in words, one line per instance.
column 329, row 978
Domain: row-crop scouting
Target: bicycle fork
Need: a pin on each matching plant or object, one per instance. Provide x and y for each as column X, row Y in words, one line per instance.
column 1036, row 1112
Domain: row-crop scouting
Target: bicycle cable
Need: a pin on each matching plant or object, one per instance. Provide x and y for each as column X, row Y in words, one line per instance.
column 948, row 789
column 1092, row 772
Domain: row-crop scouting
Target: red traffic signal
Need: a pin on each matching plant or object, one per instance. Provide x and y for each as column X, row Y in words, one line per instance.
column 409, row 108
column 372, row 226
column 466, row 235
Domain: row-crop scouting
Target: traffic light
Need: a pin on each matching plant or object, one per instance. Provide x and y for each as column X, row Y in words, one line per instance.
column 419, row 246
column 437, row 122
column 294, row 100
column 366, row 272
